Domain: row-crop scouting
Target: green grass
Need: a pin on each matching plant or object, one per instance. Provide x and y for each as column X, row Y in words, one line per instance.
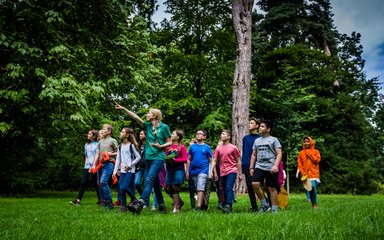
column 49, row 216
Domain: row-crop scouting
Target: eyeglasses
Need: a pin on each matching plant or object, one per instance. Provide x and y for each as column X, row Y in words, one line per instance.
column 200, row 133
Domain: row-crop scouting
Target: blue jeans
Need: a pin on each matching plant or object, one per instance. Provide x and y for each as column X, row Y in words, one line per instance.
column 106, row 173
column 138, row 176
column 175, row 176
column 152, row 181
column 125, row 183
column 228, row 182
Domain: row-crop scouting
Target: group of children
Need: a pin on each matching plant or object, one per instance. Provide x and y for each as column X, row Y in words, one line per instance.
column 260, row 163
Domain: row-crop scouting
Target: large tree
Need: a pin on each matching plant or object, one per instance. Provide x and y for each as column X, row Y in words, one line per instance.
column 242, row 24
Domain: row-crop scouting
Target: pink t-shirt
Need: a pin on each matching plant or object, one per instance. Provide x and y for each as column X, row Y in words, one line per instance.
column 226, row 155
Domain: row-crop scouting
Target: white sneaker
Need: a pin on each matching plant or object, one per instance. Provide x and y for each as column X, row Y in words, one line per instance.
column 175, row 210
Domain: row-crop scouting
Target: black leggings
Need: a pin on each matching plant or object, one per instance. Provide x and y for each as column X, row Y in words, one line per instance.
column 84, row 182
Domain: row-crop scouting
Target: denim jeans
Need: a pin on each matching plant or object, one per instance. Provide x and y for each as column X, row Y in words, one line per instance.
column 138, row 175
column 228, row 182
column 175, row 176
column 106, row 173
column 125, row 183
column 152, row 181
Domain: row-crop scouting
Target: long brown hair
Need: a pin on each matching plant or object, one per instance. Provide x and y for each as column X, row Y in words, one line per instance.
column 131, row 136
column 95, row 135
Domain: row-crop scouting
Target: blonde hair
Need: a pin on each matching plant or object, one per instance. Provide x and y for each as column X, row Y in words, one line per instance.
column 156, row 113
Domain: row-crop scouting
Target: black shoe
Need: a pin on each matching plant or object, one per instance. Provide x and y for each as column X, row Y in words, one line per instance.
column 227, row 209
column 204, row 207
column 162, row 208
column 254, row 209
column 136, row 207
column 109, row 205
column 123, row 208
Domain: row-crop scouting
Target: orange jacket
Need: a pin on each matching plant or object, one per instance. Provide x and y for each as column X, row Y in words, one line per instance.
column 308, row 161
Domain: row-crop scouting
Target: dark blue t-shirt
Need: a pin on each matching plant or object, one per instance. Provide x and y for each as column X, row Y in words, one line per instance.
column 248, row 141
column 200, row 155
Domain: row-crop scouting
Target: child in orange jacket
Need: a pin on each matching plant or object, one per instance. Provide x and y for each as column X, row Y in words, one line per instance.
column 308, row 164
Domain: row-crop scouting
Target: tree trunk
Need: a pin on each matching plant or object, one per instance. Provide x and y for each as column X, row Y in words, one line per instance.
column 242, row 24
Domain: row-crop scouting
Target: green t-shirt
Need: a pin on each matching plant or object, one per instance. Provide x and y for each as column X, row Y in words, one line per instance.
column 160, row 134
column 107, row 145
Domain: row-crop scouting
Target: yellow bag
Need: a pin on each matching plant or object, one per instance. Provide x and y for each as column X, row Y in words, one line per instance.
column 282, row 198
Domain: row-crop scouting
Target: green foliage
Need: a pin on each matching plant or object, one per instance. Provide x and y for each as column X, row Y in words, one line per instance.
column 307, row 91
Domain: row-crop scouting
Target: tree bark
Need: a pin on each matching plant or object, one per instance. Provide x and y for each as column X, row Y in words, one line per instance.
column 242, row 24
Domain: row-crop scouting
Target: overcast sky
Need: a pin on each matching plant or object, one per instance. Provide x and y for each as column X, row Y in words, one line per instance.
column 365, row 17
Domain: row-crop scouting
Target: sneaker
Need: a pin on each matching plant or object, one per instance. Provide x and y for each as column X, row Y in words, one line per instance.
column 136, row 207
column 108, row 205
column 227, row 209
column 162, row 208
column 75, row 202
column 123, row 209
column 153, row 208
column 133, row 202
column 102, row 203
column 220, row 206
column 117, row 203
column 204, row 207
column 175, row 210
column 264, row 209
column 254, row 209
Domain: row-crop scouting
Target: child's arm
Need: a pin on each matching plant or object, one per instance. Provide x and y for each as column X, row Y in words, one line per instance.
column 239, row 172
column 137, row 158
column 96, row 159
column 117, row 165
column 314, row 155
column 213, row 164
column 184, row 155
column 130, row 114
column 279, row 155
column 253, row 162
column 187, row 168
column 300, row 163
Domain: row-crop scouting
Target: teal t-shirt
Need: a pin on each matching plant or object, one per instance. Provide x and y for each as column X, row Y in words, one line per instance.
column 160, row 134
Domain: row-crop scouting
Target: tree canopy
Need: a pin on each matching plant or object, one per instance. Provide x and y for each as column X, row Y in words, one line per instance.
column 63, row 63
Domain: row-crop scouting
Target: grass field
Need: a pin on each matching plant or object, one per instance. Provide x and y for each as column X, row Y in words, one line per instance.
column 49, row 216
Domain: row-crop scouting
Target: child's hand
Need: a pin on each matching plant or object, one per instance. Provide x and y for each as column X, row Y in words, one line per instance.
column 127, row 168
column 274, row 169
column 240, row 177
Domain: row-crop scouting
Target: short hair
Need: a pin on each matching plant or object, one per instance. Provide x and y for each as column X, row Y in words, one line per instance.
column 109, row 127
column 267, row 123
column 228, row 132
column 257, row 120
column 156, row 113
column 205, row 132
